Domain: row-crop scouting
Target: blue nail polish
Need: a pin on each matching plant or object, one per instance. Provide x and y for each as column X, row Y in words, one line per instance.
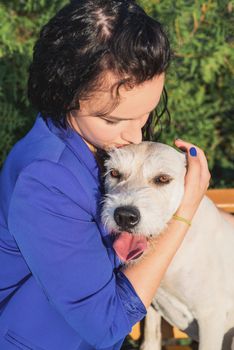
column 193, row 152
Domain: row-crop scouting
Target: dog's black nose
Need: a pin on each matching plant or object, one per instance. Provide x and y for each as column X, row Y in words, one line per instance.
column 126, row 217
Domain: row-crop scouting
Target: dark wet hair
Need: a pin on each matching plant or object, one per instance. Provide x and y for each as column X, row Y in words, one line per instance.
column 85, row 39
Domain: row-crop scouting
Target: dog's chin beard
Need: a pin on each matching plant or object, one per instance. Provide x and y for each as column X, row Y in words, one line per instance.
column 116, row 232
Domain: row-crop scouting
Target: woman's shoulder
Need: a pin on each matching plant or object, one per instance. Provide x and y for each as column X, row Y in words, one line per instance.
column 41, row 156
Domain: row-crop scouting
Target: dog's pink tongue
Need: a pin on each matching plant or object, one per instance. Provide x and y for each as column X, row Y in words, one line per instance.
column 129, row 247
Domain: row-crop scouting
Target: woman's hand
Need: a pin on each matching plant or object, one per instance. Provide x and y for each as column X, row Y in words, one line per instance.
column 196, row 180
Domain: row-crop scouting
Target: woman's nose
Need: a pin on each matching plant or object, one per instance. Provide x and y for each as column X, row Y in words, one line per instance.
column 133, row 134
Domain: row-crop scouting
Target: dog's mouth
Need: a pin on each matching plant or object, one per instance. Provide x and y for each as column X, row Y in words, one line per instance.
column 129, row 246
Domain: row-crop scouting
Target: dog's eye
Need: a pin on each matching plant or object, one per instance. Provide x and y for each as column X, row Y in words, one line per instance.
column 115, row 173
column 162, row 179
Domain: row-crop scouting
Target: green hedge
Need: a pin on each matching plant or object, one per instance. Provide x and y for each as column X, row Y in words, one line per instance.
column 199, row 82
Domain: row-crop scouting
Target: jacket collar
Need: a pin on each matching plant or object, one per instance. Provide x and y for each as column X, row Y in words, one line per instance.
column 75, row 142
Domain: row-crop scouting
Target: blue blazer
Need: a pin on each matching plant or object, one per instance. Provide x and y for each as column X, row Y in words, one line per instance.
column 60, row 283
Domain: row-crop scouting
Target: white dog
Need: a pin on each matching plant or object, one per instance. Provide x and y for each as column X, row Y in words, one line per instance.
column 144, row 187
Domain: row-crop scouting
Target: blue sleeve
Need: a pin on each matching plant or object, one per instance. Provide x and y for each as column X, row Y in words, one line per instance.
column 50, row 220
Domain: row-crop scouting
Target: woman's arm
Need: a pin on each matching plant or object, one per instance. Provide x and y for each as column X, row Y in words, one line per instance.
column 56, row 232
column 147, row 274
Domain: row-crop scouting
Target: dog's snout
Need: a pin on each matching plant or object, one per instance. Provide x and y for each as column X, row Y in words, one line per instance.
column 126, row 217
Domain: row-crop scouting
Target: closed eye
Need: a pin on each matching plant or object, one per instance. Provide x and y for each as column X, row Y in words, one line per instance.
column 111, row 122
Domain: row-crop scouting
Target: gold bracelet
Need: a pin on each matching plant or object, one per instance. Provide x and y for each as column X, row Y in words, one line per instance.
column 179, row 218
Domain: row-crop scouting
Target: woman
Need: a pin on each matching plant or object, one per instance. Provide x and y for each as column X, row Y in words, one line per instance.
column 98, row 72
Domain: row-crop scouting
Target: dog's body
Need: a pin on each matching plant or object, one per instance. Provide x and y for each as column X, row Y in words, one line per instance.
column 199, row 283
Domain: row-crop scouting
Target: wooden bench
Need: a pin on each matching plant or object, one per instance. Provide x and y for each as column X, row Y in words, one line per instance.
column 224, row 199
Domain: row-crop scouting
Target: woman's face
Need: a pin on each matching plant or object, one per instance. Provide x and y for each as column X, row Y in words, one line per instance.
column 124, row 124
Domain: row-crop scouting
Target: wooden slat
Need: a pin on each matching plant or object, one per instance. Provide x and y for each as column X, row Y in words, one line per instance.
column 136, row 332
column 223, row 198
column 178, row 333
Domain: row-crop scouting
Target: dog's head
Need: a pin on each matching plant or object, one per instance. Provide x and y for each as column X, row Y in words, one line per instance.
column 144, row 186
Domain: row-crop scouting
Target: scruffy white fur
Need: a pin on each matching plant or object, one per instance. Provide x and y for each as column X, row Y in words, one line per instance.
column 199, row 283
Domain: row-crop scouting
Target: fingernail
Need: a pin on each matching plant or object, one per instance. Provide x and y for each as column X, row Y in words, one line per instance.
column 193, row 152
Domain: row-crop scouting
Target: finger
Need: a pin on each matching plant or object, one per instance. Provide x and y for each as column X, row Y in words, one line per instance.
column 188, row 146
column 193, row 167
column 198, row 172
column 190, row 149
column 184, row 145
column 197, row 164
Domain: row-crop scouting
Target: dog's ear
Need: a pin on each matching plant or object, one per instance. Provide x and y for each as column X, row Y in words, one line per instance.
column 101, row 157
column 183, row 153
column 185, row 156
column 102, row 154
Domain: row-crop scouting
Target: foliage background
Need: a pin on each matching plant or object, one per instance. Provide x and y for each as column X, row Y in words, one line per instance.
column 200, row 81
